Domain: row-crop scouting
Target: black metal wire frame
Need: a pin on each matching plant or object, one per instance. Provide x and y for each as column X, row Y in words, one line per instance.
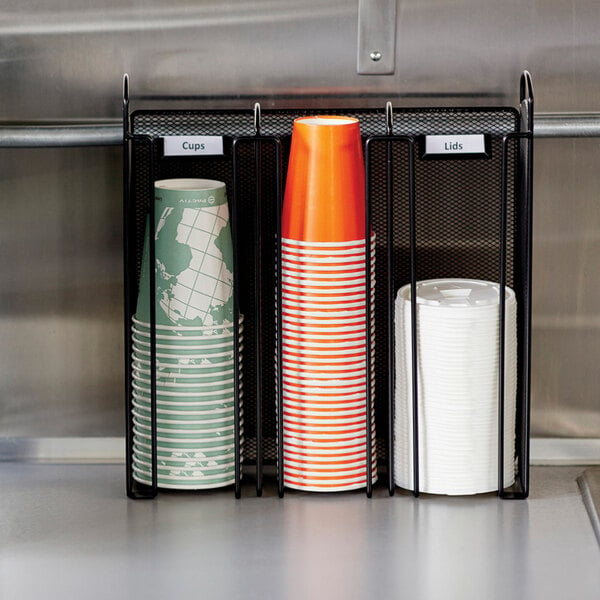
column 135, row 489
column 523, row 290
column 523, row 269
column 525, row 251
column 409, row 141
column 523, row 272
column 522, row 284
column 257, row 142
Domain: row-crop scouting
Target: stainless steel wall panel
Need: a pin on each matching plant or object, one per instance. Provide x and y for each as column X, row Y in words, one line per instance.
column 61, row 365
column 566, row 309
column 62, row 60
column 65, row 60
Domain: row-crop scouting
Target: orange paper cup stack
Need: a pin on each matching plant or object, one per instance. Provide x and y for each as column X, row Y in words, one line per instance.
column 324, row 309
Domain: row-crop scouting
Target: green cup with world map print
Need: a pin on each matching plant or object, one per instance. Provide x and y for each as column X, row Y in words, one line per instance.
column 193, row 256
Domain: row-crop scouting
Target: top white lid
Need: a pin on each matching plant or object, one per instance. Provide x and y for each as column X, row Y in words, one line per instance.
column 456, row 292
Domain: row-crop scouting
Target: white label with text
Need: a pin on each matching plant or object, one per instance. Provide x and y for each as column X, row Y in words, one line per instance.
column 178, row 145
column 455, row 144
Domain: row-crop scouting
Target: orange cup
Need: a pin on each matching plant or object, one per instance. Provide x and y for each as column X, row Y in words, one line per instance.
column 325, row 187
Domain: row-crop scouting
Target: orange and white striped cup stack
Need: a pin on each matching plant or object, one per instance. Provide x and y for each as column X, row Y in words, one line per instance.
column 324, row 309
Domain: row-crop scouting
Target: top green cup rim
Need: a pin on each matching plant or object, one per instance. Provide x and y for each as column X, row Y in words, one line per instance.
column 189, row 184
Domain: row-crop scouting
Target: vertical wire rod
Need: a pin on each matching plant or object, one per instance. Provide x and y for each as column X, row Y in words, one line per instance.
column 127, row 289
column 236, row 316
column 526, row 164
column 414, row 316
column 152, row 292
column 527, row 308
column 502, row 318
column 135, row 489
column 369, row 449
column 279, row 318
column 391, row 330
column 258, row 291
column 258, row 285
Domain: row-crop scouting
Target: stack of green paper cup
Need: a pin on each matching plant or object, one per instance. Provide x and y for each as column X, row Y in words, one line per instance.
column 195, row 336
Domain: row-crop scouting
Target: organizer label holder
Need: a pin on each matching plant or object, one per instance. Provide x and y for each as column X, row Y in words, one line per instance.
column 456, row 146
column 193, row 145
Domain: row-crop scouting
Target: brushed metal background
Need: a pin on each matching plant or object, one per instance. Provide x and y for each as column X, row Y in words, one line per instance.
column 61, row 368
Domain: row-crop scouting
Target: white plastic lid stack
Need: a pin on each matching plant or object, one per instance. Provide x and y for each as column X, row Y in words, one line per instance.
column 458, row 359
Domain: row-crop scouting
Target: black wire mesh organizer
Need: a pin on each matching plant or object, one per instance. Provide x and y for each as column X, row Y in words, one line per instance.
column 446, row 216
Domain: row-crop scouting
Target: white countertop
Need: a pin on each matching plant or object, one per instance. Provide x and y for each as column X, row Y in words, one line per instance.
column 68, row 531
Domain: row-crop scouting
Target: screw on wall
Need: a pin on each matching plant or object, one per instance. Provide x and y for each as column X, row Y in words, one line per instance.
column 376, row 43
